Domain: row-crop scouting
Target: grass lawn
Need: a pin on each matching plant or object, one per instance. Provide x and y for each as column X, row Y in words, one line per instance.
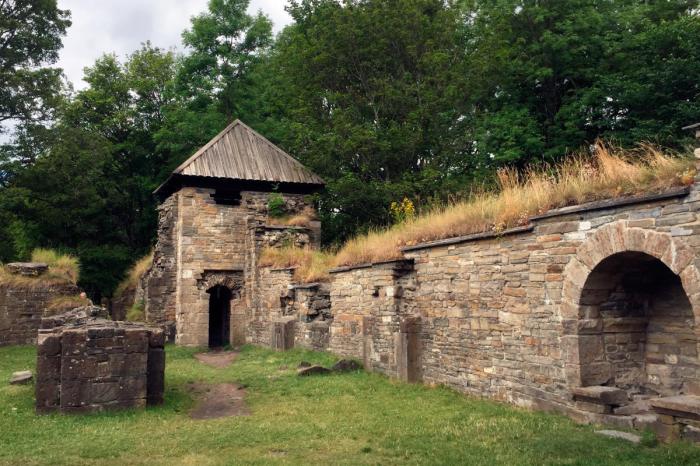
column 354, row 418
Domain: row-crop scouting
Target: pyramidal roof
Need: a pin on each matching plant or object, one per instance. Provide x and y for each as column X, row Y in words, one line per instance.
column 240, row 153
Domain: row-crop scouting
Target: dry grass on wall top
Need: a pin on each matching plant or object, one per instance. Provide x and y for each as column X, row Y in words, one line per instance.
column 309, row 265
column 611, row 172
column 63, row 268
column 134, row 274
column 300, row 219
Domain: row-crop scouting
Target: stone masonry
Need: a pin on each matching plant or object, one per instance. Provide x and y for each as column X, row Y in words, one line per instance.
column 203, row 243
column 601, row 298
column 87, row 364
column 23, row 303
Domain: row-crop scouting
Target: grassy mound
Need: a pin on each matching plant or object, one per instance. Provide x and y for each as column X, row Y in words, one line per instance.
column 310, row 265
column 63, row 268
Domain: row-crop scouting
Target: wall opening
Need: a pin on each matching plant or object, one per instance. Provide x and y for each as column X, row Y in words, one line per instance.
column 636, row 328
column 219, row 316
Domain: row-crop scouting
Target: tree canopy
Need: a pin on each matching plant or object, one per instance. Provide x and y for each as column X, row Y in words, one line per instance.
column 386, row 99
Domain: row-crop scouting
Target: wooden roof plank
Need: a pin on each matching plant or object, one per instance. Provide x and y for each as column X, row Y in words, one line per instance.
column 239, row 152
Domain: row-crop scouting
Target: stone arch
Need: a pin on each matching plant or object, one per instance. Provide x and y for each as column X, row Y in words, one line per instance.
column 610, row 240
column 233, row 280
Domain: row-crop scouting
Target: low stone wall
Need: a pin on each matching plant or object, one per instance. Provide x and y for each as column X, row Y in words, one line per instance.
column 23, row 305
column 87, row 364
column 280, row 301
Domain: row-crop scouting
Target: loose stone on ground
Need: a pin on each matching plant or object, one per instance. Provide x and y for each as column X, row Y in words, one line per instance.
column 621, row 435
column 21, row 378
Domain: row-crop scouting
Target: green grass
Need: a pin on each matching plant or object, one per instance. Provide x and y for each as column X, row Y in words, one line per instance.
column 354, row 418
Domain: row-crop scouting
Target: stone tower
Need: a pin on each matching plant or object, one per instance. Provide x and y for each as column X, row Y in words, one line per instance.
column 213, row 222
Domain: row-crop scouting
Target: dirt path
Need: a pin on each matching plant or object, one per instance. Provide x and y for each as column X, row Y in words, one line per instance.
column 217, row 401
column 217, row 359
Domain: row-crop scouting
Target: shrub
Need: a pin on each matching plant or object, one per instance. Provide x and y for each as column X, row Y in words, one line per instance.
column 276, row 207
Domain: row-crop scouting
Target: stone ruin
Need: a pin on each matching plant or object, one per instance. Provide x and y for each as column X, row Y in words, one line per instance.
column 24, row 302
column 87, row 363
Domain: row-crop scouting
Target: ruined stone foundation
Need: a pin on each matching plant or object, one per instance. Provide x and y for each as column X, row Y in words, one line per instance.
column 87, row 363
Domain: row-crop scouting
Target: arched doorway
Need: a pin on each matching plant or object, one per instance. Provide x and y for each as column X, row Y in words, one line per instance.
column 219, row 316
column 636, row 327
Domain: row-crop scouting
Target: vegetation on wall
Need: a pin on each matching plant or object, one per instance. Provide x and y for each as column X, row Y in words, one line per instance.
column 610, row 173
column 423, row 100
column 63, row 268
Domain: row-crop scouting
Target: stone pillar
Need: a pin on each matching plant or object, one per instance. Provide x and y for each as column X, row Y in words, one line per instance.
column 87, row 364
column 408, row 349
column 283, row 333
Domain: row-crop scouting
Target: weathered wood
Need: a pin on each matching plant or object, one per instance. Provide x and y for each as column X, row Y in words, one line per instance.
column 240, row 153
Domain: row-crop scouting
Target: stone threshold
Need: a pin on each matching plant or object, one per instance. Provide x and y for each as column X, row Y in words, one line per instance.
column 616, row 202
column 464, row 239
column 368, row 265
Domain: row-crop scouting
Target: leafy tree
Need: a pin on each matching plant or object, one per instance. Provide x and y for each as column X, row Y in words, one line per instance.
column 548, row 77
column 212, row 82
column 30, row 36
column 368, row 92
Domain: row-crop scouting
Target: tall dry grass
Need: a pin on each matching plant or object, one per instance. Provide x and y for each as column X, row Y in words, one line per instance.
column 134, row 274
column 300, row 219
column 310, row 265
column 610, row 172
column 63, row 268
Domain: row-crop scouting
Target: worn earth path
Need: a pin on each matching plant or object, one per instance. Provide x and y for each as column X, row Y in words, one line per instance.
column 218, row 400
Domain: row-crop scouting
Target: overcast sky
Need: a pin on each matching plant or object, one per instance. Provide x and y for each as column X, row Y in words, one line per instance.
column 120, row 26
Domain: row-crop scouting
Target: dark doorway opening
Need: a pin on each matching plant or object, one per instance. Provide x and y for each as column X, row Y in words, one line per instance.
column 219, row 316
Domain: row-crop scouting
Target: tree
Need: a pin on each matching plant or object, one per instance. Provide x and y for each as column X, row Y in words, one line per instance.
column 369, row 93
column 30, row 36
column 212, row 82
column 550, row 76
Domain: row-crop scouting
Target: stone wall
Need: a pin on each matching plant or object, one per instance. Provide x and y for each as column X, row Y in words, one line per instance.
column 22, row 305
column 92, row 364
column 281, row 301
column 510, row 316
column 603, row 294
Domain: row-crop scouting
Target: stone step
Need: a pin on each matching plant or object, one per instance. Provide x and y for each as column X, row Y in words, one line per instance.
column 681, row 406
column 601, row 395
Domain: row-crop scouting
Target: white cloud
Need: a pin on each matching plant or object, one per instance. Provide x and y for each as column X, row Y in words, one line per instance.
column 120, row 26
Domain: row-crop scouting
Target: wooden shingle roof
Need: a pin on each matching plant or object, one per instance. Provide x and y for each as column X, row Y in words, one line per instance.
column 240, row 153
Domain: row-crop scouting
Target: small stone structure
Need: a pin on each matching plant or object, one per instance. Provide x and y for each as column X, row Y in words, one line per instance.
column 214, row 220
column 24, row 302
column 87, row 363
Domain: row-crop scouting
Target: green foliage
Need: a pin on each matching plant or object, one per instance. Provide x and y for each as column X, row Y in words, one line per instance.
column 276, row 207
column 30, row 33
column 137, row 312
column 374, row 421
